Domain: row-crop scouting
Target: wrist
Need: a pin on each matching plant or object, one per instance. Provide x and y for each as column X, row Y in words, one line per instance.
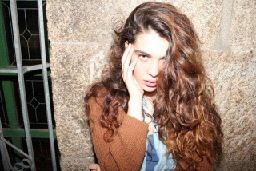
column 135, row 108
column 136, row 98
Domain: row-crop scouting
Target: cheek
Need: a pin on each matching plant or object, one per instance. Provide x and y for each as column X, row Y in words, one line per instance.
column 138, row 71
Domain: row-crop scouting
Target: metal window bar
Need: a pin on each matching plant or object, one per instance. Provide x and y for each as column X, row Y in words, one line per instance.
column 45, row 82
column 28, row 162
column 4, row 153
column 21, row 82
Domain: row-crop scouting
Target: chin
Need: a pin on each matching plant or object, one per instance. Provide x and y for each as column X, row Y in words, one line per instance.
column 149, row 89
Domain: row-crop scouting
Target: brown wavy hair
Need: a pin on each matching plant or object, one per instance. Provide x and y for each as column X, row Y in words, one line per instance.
column 189, row 123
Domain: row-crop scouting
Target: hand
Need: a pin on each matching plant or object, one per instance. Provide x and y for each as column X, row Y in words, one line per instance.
column 94, row 167
column 128, row 66
column 135, row 91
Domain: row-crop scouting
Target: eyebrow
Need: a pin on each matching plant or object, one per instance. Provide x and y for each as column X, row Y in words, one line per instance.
column 142, row 52
column 146, row 54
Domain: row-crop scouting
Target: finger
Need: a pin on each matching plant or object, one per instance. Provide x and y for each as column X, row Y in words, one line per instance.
column 127, row 62
column 127, row 49
column 127, row 59
column 133, row 64
column 126, row 52
column 131, row 68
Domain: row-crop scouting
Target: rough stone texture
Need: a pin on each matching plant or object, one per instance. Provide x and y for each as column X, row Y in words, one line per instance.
column 205, row 15
column 68, row 81
column 243, row 26
column 80, row 33
column 233, row 75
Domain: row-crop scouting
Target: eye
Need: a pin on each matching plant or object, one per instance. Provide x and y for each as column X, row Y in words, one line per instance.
column 143, row 57
column 163, row 58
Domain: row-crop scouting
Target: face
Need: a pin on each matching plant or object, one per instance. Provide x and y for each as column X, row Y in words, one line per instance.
column 151, row 50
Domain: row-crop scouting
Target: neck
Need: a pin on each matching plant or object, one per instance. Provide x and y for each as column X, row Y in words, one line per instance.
column 150, row 96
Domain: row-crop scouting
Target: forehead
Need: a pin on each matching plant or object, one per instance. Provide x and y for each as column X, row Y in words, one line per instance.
column 151, row 43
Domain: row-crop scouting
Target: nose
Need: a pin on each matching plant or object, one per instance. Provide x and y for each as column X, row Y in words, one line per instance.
column 153, row 68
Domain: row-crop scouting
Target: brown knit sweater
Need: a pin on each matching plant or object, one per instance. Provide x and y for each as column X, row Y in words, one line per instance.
column 126, row 152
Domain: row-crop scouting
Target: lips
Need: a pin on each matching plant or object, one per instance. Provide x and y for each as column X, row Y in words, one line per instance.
column 150, row 83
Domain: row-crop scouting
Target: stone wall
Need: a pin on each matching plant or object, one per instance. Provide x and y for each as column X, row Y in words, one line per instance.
column 80, row 35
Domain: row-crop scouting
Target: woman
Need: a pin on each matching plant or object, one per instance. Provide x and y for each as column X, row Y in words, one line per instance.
column 155, row 110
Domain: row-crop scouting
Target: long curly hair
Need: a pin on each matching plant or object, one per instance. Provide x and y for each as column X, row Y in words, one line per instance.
column 188, row 121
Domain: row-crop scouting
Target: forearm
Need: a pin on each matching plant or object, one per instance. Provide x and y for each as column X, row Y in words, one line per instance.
column 135, row 108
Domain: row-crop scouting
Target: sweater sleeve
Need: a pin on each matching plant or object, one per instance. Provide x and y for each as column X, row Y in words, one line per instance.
column 127, row 150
